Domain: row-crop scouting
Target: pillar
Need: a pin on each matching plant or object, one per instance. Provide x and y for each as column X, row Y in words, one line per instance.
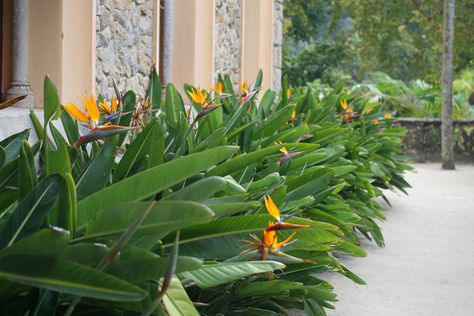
column 20, row 85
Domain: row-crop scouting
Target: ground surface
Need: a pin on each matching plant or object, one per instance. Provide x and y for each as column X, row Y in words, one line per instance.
column 427, row 266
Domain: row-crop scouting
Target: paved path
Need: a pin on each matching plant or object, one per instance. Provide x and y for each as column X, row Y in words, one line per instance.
column 427, row 266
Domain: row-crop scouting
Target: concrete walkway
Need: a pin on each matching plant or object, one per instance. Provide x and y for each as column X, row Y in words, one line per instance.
column 427, row 266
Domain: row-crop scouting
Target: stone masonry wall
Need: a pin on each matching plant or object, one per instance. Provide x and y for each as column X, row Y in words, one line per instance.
column 124, row 45
column 423, row 139
column 277, row 43
column 227, row 30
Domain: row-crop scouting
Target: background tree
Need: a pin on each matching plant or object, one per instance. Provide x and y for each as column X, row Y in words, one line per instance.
column 401, row 38
column 447, row 84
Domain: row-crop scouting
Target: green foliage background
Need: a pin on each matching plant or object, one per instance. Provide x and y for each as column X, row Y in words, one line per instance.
column 400, row 38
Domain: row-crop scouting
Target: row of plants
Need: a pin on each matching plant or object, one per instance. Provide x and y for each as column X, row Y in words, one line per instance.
column 234, row 206
column 417, row 98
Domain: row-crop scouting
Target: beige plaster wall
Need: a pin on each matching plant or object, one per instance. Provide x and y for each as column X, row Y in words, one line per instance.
column 45, row 45
column 193, row 43
column 257, row 40
column 78, row 48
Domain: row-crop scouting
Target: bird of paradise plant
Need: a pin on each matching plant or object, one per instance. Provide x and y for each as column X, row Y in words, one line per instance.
column 269, row 243
column 348, row 112
column 247, row 92
column 286, row 154
column 201, row 98
column 98, row 129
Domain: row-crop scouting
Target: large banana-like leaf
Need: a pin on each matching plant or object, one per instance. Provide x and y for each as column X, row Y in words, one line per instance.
column 47, row 241
column 151, row 181
column 27, row 178
column 177, row 301
column 265, row 287
column 222, row 273
column 154, row 90
column 52, row 106
column 31, row 211
column 12, row 145
column 241, row 161
column 198, row 191
column 223, row 238
column 149, row 144
column 163, row 218
column 64, row 276
column 134, row 264
column 95, row 176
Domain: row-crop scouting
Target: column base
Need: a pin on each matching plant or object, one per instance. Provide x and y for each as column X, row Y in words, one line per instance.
column 19, row 89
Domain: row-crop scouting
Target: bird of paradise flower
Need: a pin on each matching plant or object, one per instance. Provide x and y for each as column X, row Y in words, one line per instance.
column 91, row 118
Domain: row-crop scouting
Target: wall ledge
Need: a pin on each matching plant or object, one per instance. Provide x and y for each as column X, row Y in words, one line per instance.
column 14, row 120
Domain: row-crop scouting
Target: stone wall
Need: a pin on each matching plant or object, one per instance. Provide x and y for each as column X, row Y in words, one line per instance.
column 124, row 40
column 423, row 140
column 227, row 30
column 124, row 45
column 277, row 43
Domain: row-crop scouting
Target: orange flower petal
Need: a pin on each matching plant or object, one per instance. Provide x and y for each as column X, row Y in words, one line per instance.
column 114, row 104
column 105, row 107
column 91, row 108
column 245, row 86
column 278, row 245
column 269, row 238
column 344, row 104
column 218, row 87
column 272, row 208
column 75, row 112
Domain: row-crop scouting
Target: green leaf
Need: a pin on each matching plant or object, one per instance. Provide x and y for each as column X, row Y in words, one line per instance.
column 173, row 106
column 265, row 288
column 149, row 145
column 57, row 161
column 38, row 127
column 198, row 191
column 154, row 90
column 26, row 170
column 12, row 145
column 177, row 302
column 97, row 173
column 47, row 241
column 227, row 209
column 3, row 156
column 274, row 122
column 67, row 205
column 241, row 161
column 66, row 277
column 52, row 106
column 31, row 211
column 222, row 273
column 163, row 218
column 70, row 127
column 258, row 80
column 151, row 181
column 313, row 187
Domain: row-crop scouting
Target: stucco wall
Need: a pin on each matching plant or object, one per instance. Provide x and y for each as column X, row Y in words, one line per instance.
column 124, row 39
